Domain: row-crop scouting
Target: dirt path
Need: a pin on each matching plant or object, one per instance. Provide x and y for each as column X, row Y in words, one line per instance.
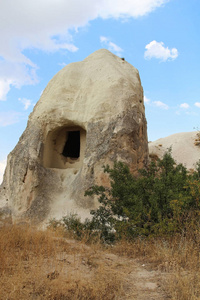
column 140, row 281
column 147, row 283
column 67, row 269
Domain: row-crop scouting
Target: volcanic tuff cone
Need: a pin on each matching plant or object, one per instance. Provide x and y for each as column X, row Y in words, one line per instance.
column 185, row 148
column 90, row 114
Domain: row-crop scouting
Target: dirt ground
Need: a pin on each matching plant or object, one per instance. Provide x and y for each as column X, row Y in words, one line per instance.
column 40, row 266
column 141, row 281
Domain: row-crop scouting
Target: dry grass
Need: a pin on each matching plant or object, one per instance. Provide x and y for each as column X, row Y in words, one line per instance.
column 44, row 265
column 177, row 257
column 39, row 265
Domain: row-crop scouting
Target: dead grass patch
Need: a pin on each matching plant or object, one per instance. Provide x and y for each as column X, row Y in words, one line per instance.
column 41, row 265
column 178, row 257
column 45, row 265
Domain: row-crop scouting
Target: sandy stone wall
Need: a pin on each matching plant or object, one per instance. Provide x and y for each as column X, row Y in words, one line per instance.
column 90, row 114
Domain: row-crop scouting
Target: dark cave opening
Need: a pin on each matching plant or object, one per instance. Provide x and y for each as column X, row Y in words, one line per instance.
column 72, row 145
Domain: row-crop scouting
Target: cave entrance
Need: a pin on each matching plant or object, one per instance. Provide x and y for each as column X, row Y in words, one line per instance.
column 64, row 148
column 72, row 145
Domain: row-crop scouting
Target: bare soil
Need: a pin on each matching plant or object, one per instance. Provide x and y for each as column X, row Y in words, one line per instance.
column 45, row 265
column 142, row 281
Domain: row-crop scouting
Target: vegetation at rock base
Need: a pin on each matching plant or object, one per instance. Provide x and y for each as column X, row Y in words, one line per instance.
column 154, row 217
column 163, row 200
column 48, row 265
column 148, row 223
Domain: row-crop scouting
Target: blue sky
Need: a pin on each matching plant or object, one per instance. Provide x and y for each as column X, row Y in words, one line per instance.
column 158, row 37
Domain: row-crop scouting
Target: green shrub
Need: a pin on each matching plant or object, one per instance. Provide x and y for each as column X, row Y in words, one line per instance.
column 164, row 199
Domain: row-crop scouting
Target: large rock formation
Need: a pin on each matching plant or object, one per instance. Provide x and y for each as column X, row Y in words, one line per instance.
column 185, row 148
column 90, row 114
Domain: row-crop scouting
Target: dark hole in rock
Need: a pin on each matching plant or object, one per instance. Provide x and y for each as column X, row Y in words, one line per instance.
column 72, row 145
column 64, row 148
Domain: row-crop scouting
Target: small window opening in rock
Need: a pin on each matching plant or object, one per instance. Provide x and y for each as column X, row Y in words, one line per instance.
column 72, row 145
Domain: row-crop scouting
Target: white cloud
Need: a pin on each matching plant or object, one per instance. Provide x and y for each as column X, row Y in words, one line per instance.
column 157, row 50
column 25, row 102
column 15, row 74
column 4, row 87
column 161, row 104
column 156, row 103
column 184, row 105
column 104, row 39
column 127, row 8
column 9, row 118
column 110, row 45
column 46, row 25
column 63, row 64
column 146, row 100
column 197, row 104
column 2, row 169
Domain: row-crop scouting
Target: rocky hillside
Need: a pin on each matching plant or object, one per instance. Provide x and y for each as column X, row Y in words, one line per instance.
column 185, row 147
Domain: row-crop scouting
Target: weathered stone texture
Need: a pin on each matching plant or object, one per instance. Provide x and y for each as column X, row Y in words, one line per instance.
column 98, row 103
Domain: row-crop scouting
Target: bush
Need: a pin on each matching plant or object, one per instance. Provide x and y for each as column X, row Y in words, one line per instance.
column 164, row 199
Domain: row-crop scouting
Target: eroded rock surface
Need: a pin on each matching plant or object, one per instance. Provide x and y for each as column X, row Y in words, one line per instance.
column 90, row 114
column 185, row 148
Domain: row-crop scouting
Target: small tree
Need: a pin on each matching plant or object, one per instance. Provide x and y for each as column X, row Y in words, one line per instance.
column 155, row 202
